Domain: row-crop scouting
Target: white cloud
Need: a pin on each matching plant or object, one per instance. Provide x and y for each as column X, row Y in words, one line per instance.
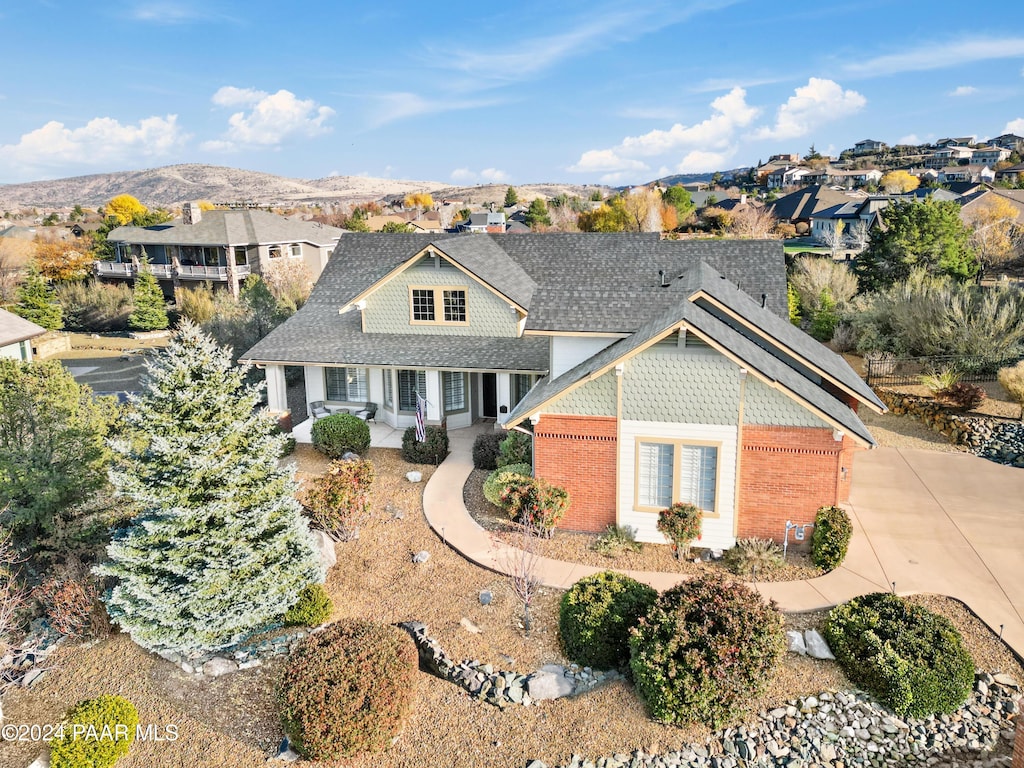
column 818, row 102
column 390, row 107
column 939, row 55
column 173, row 12
column 487, row 176
column 716, row 133
column 103, row 141
column 910, row 138
column 1015, row 126
column 699, row 161
column 963, row 90
column 271, row 119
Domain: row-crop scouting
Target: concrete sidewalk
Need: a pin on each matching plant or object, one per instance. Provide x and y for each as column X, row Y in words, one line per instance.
column 944, row 523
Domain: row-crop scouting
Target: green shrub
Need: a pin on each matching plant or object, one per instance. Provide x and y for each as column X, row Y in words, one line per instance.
column 830, row 538
column 347, row 689
column 341, row 433
column 704, row 651
column 312, row 609
column 752, row 556
column 105, row 734
column 485, row 450
column 1012, row 379
column 940, row 380
column 961, row 396
column 95, row 307
column 432, row 450
column 339, row 500
column 197, row 304
column 499, row 480
column 595, row 616
column 617, row 539
column 911, row 659
column 825, row 318
column 516, row 448
column 681, row 524
column 534, row 502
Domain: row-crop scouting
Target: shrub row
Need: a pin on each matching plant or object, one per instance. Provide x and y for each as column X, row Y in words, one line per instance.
column 493, row 450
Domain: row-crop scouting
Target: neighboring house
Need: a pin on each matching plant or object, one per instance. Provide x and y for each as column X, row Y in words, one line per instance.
column 1013, row 174
column 966, row 173
column 835, row 225
column 220, row 246
column 856, row 178
column 800, row 206
column 962, row 141
column 792, row 157
column 484, row 221
column 948, row 156
column 786, row 177
column 868, row 147
column 989, row 155
column 1010, row 141
column 82, row 228
column 16, row 334
column 978, row 200
column 644, row 372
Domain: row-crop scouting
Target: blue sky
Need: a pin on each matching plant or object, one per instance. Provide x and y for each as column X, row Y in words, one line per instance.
column 578, row 91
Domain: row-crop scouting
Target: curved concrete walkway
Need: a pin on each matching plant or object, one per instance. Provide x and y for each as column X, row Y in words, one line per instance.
column 945, row 523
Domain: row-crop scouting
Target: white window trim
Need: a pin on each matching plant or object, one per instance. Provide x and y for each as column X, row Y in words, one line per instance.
column 677, row 455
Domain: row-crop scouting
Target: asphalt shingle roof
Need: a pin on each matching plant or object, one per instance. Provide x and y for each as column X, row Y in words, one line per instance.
column 229, row 227
column 14, row 328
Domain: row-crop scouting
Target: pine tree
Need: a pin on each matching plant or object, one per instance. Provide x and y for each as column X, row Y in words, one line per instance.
column 511, row 197
column 150, row 312
column 220, row 548
column 538, row 215
column 37, row 303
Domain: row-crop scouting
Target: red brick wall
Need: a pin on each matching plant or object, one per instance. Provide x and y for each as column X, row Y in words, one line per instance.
column 787, row 473
column 578, row 453
column 1018, row 744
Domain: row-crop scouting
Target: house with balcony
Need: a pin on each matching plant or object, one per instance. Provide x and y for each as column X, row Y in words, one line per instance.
column 869, row 147
column 1010, row 141
column 222, row 247
column 647, row 371
column 989, row 155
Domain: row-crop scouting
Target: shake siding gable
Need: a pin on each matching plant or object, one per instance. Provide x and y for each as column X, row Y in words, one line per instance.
column 690, row 388
column 764, row 405
column 388, row 308
column 595, row 398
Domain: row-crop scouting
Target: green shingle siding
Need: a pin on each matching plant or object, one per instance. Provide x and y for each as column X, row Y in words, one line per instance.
column 767, row 406
column 595, row 398
column 387, row 309
column 680, row 387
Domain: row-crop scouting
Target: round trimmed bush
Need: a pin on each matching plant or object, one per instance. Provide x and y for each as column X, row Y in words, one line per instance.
column 516, row 448
column 312, row 609
column 433, row 450
column 596, row 614
column 500, row 479
column 534, row 502
column 341, row 433
column 347, row 689
column 912, row 660
column 96, row 748
column 831, row 537
column 705, row 649
column 485, row 450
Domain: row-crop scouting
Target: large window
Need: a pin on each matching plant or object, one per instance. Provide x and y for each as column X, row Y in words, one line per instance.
column 347, row 384
column 409, row 383
column 424, row 301
column 388, row 389
column 521, row 384
column 675, row 471
column 454, row 384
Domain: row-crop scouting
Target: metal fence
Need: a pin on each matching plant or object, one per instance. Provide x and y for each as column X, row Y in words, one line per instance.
column 900, row 371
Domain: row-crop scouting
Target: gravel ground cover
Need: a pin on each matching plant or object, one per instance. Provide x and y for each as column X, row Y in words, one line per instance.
column 579, row 547
column 232, row 723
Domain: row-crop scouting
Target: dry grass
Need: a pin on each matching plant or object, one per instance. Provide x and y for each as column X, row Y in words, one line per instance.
column 232, row 723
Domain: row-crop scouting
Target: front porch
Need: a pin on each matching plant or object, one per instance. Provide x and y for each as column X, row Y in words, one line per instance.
column 381, row 435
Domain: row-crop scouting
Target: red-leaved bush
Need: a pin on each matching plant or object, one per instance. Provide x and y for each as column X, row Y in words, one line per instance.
column 339, row 500
column 68, row 604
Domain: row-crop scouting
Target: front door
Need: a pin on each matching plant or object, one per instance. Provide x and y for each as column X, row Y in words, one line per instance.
column 489, row 382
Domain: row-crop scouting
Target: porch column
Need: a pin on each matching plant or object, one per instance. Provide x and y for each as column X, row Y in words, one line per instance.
column 229, row 262
column 434, row 410
column 316, row 388
column 277, row 389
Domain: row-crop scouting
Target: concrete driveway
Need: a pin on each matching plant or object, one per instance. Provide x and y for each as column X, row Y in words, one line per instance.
column 948, row 523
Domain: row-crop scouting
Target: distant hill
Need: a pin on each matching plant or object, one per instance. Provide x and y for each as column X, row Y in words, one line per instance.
column 690, row 178
column 174, row 184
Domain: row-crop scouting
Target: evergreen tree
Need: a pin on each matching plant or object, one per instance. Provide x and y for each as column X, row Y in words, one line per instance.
column 538, row 213
column 150, row 312
column 220, row 548
column 511, row 197
column 37, row 301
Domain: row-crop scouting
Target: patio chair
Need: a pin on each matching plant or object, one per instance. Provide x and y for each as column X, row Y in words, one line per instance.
column 318, row 410
column 368, row 412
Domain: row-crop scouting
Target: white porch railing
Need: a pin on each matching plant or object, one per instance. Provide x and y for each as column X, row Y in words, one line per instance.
column 187, row 272
column 114, row 269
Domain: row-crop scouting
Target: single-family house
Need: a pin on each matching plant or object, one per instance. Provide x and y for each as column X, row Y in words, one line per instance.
column 949, row 155
column 791, row 157
column 1013, row 174
column 1010, row 141
column 961, row 141
column 219, row 246
column 16, row 334
column 978, row 200
column 648, row 371
column 989, row 155
column 835, row 225
column 484, row 221
column 786, row 177
column 868, row 147
column 966, row 173
column 799, row 207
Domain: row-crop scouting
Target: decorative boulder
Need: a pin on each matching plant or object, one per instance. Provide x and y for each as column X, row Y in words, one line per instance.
column 414, row 476
column 218, row 666
column 795, row 642
column 549, row 682
column 324, row 545
column 817, row 648
column 421, row 557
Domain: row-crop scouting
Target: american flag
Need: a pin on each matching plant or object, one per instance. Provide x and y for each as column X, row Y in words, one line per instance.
column 421, row 415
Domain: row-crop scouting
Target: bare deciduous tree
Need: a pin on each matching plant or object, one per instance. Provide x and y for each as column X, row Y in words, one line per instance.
column 753, row 222
column 519, row 558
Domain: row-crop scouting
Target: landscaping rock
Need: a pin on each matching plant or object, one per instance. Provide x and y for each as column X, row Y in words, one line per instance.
column 324, row 546
column 817, row 648
column 795, row 642
column 43, row 761
column 469, row 626
column 549, row 684
column 414, row 476
column 218, row 666
column 421, row 557
column 486, row 597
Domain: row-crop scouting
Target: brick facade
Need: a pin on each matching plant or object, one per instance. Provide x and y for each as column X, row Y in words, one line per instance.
column 787, row 473
column 578, row 453
column 1018, row 744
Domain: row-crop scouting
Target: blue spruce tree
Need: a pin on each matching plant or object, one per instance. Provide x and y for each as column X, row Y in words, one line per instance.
column 220, row 547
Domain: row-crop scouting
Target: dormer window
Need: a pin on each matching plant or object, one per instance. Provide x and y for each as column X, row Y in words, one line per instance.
column 424, row 303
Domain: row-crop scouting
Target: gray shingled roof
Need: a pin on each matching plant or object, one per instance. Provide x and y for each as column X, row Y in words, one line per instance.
column 14, row 329
column 229, row 227
column 805, row 202
column 759, row 356
column 485, row 259
column 318, row 338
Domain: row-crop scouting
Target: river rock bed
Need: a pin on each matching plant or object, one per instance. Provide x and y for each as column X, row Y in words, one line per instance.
column 845, row 729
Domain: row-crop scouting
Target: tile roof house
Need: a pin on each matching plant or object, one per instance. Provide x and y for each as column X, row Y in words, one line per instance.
column 220, row 246
column 648, row 371
column 16, row 334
